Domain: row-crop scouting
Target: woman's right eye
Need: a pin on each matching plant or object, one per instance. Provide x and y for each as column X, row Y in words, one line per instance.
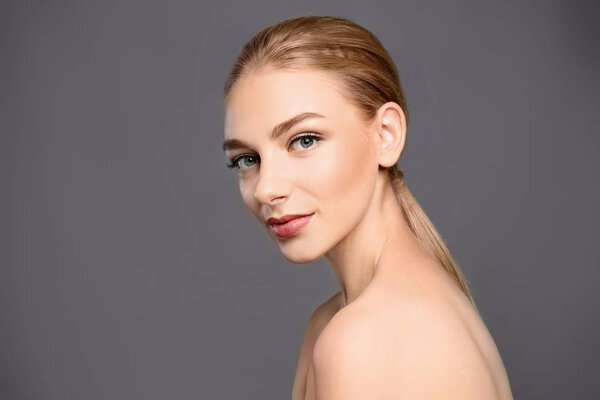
column 242, row 162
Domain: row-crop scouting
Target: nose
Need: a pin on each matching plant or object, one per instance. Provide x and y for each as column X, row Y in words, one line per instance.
column 272, row 185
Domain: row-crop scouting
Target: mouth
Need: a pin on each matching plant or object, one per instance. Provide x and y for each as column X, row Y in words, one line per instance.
column 291, row 226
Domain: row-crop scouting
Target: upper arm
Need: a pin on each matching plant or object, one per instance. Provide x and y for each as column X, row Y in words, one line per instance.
column 408, row 357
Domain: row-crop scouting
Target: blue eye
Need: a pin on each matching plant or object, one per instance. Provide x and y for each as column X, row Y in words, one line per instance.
column 306, row 141
column 235, row 163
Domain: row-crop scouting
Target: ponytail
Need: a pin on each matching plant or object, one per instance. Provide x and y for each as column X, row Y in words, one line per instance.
column 425, row 231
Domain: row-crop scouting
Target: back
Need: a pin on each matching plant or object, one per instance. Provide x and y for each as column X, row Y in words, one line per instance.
column 409, row 340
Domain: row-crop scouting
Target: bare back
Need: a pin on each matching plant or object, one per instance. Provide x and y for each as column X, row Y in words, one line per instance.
column 380, row 300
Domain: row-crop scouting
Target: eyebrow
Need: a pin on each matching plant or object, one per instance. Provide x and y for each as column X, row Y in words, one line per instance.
column 278, row 130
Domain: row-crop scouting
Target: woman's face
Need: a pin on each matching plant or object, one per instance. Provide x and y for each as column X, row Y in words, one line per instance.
column 330, row 174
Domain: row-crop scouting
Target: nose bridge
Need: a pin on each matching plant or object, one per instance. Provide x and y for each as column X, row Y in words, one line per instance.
column 271, row 182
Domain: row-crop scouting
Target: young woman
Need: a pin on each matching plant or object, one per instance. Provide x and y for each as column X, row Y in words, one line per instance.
column 315, row 121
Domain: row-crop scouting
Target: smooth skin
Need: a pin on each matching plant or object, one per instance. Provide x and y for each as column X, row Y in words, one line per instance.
column 400, row 328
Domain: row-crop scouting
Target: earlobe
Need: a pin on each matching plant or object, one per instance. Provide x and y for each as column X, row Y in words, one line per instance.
column 392, row 133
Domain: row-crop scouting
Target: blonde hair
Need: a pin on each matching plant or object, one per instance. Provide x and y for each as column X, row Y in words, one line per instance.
column 368, row 76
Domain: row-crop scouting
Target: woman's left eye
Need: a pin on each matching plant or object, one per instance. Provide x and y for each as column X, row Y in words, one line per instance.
column 306, row 141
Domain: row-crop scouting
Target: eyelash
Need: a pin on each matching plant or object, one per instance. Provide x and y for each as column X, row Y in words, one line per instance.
column 234, row 162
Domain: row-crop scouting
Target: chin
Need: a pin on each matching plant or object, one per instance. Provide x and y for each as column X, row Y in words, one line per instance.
column 300, row 256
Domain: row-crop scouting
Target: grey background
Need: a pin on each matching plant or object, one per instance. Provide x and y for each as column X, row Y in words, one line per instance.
column 130, row 268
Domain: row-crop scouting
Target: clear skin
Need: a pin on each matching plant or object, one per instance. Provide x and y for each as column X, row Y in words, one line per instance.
column 400, row 328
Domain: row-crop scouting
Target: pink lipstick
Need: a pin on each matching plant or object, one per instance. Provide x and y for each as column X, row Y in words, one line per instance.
column 289, row 225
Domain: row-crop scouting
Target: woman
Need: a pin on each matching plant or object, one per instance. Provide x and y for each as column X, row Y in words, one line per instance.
column 315, row 121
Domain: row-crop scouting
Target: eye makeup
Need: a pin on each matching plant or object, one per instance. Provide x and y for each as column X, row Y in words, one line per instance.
column 234, row 164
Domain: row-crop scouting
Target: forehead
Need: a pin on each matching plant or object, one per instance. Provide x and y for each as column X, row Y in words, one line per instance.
column 264, row 98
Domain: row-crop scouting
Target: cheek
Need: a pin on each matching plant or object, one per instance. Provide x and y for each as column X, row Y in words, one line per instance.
column 344, row 181
column 247, row 194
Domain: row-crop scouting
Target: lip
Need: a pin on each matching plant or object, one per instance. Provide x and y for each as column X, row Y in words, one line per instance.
column 289, row 225
column 285, row 218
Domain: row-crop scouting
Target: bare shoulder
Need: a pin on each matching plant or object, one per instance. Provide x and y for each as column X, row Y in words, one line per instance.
column 393, row 345
column 318, row 319
column 328, row 308
column 322, row 314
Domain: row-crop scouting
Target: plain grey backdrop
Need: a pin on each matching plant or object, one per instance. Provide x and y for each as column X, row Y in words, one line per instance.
column 131, row 269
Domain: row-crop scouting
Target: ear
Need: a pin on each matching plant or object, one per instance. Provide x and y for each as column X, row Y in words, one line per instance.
column 391, row 133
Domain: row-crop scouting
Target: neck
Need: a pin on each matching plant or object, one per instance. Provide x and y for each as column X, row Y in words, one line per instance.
column 381, row 244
